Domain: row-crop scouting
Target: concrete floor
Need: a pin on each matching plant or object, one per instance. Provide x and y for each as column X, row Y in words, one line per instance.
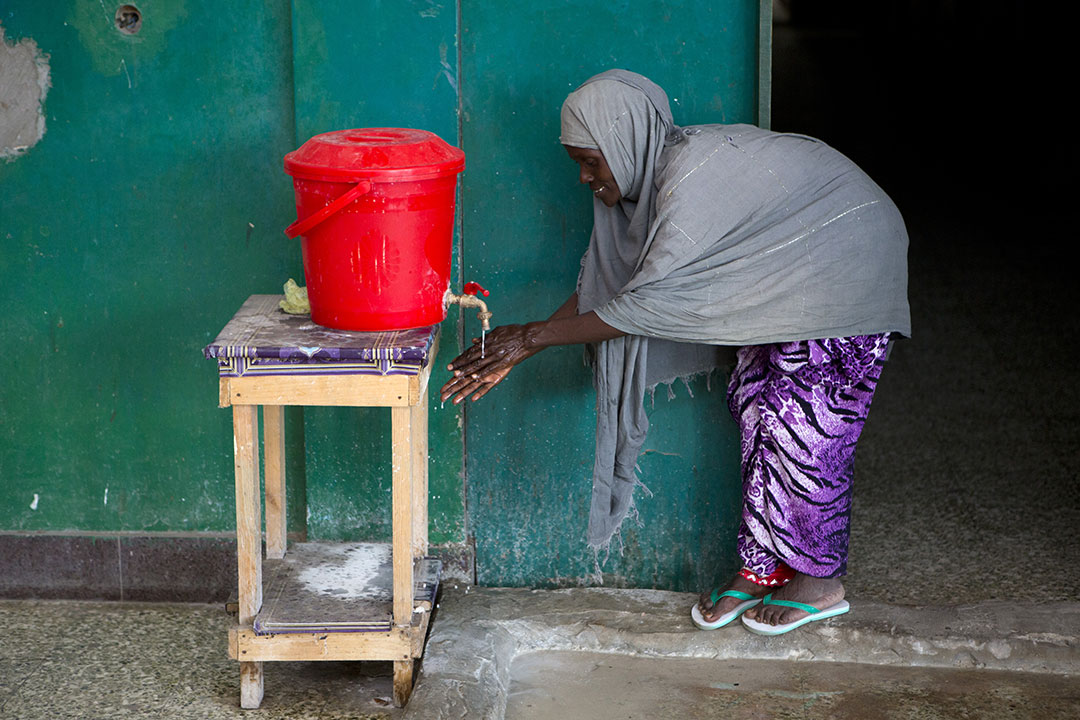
column 560, row 685
column 582, row 653
column 115, row 661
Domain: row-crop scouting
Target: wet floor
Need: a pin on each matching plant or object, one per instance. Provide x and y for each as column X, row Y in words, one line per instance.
column 566, row 685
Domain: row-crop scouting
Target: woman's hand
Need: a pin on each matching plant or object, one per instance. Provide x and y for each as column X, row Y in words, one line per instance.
column 477, row 371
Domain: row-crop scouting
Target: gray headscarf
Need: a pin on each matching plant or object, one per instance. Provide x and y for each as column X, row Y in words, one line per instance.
column 725, row 236
column 607, row 113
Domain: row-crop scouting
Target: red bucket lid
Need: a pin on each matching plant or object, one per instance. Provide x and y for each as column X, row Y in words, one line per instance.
column 386, row 154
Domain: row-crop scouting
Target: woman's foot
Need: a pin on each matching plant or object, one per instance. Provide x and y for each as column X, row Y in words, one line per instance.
column 710, row 612
column 817, row 592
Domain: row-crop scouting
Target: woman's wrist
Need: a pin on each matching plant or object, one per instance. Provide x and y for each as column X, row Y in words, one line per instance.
column 533, row 336
column 573, row 330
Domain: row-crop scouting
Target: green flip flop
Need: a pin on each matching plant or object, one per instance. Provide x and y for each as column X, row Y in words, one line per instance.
column 814, row 614
column 749, row 601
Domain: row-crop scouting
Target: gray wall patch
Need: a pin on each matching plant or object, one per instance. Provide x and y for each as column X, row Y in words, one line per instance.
column 24, row 82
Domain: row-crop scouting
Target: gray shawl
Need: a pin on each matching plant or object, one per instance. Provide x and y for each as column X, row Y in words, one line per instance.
column 727, row 235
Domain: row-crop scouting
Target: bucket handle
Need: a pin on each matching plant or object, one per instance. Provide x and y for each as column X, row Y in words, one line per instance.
column 300, row 227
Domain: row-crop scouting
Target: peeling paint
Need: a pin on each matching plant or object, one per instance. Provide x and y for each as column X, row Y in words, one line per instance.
column 446, row 70
column 430, row 9
column 24, row 83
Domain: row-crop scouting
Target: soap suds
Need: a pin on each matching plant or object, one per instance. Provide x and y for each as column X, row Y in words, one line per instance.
column 352, row 575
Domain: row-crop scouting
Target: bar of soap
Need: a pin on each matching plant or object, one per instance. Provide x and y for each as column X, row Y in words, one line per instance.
column 296, row 300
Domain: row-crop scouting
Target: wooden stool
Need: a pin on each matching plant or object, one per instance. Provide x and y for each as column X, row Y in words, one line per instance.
column 271, row 359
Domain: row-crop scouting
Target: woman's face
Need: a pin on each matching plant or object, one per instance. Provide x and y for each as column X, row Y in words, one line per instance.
column 595, row 173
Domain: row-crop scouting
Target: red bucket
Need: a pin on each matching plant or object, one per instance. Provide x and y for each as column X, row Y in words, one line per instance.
column 376, row 212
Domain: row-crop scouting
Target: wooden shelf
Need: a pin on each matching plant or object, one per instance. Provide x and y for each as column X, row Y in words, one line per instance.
column 339, row 587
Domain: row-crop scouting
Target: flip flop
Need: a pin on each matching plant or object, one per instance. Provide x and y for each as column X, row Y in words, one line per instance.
column 749, row 601
column 815, row 614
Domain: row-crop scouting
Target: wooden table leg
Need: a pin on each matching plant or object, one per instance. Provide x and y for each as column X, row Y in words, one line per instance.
column 403, row 681
column 402, row 513
column 251, row 685
column 248, row 540
column 274, row 450
column 419, row 428
column 402, row 422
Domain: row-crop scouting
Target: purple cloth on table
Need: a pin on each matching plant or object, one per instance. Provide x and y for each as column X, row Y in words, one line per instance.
column 262, row 339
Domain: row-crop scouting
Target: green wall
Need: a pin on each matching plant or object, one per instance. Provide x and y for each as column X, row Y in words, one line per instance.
column 155, row 203
column 149, row 210
column 526, row 223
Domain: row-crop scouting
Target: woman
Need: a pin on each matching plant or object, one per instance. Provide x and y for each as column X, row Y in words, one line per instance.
column 727, row 235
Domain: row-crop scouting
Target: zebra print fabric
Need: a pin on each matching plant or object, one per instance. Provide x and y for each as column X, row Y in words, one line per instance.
column 800, row 407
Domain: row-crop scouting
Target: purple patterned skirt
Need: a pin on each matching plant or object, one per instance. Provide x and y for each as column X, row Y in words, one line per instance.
column 800, row 407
